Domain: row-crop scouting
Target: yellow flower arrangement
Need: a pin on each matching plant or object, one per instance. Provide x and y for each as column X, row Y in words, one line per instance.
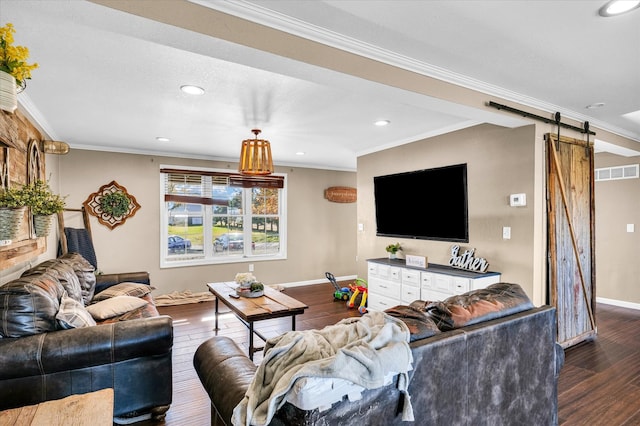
column 13, row 59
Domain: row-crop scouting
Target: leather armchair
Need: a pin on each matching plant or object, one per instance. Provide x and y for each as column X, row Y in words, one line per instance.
column 132, row 357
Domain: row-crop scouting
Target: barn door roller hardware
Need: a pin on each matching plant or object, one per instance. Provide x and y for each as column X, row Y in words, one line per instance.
column 540, row 118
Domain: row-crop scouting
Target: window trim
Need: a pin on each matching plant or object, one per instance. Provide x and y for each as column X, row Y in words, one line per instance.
column 247, row 183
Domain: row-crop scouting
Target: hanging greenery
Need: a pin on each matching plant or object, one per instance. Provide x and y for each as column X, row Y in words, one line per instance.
column 42, row 200
column 115, row 204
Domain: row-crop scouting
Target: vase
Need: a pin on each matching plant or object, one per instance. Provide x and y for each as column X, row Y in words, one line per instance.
column 8, row 92
column 393, row 256
column 42, row 225
column 10, row 222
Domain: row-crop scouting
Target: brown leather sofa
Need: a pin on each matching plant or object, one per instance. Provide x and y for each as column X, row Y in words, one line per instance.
column 495, row 363
column 129, row 352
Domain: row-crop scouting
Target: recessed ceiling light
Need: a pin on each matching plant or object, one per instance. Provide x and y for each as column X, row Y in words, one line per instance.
column 192, row 90
column 618, row 7
column 595, row 105
column 162, row 139
column 382, row 123
column 299, row 153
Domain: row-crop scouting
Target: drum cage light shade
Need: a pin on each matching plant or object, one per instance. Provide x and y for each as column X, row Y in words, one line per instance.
column 255, row 156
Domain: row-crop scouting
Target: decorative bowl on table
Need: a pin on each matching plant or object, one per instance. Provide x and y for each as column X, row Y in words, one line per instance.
column 248, row 286
column 248, row 293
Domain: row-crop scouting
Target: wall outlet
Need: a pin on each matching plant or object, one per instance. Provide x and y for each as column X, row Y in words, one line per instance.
column 251, row 267
column 506, row 232
column 631, row 227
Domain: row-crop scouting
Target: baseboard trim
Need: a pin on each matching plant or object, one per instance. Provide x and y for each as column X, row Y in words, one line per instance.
column 620, row 303
column 319, row 281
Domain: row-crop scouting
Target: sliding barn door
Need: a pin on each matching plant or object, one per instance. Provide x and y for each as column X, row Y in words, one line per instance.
column 571, row 227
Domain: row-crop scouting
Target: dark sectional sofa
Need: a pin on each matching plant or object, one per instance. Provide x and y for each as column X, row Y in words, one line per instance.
column 488, row 357
column 51, row 346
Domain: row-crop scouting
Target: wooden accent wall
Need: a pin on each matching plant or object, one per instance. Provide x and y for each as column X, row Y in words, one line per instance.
column 16, row 131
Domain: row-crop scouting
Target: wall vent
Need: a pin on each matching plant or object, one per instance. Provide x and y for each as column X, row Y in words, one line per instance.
column 619, row 172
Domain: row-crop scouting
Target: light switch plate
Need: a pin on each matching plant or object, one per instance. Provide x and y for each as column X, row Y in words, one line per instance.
column 630, row 227
column 506, row 232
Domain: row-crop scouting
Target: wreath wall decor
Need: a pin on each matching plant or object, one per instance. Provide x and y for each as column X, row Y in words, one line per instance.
column 112, row 205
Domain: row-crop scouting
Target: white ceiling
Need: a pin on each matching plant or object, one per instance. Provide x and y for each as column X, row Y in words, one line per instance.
column 109, row 80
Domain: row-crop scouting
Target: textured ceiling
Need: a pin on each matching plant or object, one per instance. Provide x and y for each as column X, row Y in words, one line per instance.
column 109, row 80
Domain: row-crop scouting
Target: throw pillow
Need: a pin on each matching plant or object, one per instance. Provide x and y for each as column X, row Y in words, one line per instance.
column 495, row 301
column 420, row 324
column 85, row 273
column 72, row 314
column 28, row 305
column 62, row 272
column 115, row 306
column 123, row 289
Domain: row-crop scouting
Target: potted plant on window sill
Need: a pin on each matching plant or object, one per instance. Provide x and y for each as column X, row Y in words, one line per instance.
column 12, row 209
column 44, row 204
column 393, row 250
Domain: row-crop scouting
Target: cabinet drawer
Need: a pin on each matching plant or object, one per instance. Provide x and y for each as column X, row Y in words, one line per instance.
column 410, row 293
column 426, row 280
column 434, row 295
column 442, row 283
column 376, row 302
column 395, row 274
column 461, row 285
column 385, row 288
column 409, row 276
column 483, row 282
column 372, row 269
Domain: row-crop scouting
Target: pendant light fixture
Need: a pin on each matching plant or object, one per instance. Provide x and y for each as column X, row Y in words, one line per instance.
column 255, row 156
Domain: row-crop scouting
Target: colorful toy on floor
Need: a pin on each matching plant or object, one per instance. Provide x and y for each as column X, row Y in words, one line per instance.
column 360, row 286
column 340, row 293
column 350, row 294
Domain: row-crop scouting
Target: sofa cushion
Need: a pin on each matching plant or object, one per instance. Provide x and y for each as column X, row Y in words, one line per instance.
column 73, row 314
column 115, row 306
column 28, row 305
column 495, row 301
column 123, row 289
column 85, row 273
column 63, row 272
column 414, row 316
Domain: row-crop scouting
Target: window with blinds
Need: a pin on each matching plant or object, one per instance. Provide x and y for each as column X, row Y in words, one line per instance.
column 213, row 216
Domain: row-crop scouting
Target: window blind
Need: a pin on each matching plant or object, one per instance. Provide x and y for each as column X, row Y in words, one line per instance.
column 233, row 179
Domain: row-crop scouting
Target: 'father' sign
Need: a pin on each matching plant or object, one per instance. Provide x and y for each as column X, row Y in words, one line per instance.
column 467, row 261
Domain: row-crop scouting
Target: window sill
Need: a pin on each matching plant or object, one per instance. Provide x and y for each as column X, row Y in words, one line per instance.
column 164, row 264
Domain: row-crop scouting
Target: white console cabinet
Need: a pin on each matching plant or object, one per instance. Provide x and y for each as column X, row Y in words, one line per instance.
column 393, row 283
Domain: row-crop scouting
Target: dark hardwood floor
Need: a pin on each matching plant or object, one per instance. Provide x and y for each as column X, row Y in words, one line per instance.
column 599, row 383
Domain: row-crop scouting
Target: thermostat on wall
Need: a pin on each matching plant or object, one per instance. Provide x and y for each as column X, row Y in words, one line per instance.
column 518, row 200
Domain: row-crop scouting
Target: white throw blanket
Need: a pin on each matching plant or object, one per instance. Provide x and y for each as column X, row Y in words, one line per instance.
column 363, row 350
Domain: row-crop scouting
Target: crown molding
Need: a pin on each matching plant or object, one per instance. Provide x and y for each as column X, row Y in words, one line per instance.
column 27, row 105
column 264, row 16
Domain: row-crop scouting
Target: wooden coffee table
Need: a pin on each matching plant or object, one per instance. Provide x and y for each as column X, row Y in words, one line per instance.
column 273, row 304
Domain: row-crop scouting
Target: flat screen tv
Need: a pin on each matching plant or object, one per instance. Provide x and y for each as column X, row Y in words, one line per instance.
column 428, row 204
